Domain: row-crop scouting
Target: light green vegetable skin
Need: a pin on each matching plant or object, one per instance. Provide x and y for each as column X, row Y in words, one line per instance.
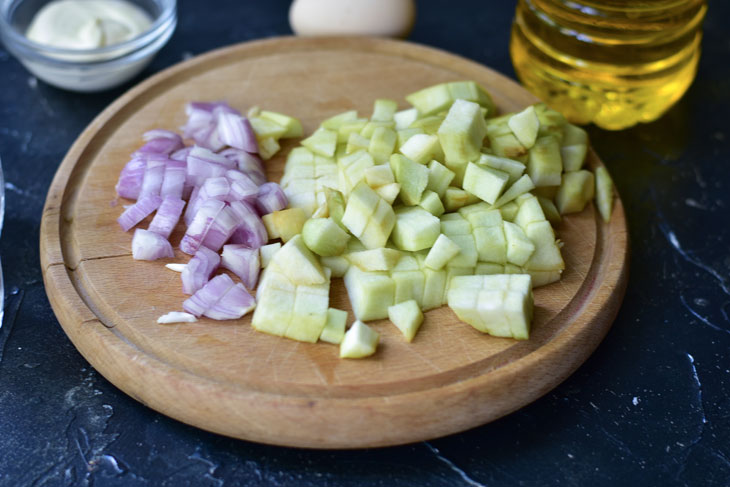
column 440, row 203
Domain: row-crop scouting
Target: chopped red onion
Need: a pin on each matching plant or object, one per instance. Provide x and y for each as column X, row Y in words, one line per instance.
column 131, row 177
column 154, row 175
column 205, row 297
column 202, row 125
column 148, row 245
column 193, row 206
column 167, row 216
column 236, row 131
column 270, row 198
column 243, row 262
column 174, row 179
column 200, row 225
column 235, row 303
column 197, row 272
column 251, row 230
column 160, row 142
column 182, row 154
column 222, row 228
column 139, row 211
column 215, row 188
column 204, row 164
column 249, row 164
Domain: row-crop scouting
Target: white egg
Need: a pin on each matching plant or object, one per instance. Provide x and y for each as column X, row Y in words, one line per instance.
column 386, row 18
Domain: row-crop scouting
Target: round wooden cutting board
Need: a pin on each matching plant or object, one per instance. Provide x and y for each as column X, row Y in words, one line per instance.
column 227, row 378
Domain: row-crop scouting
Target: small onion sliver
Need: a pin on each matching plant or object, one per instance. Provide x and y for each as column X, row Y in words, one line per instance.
column 139, row 211
column 167, row 216
column 176, row 317
column 148, row 245
column 160, row 142
column 182, row 154
column 249, row 164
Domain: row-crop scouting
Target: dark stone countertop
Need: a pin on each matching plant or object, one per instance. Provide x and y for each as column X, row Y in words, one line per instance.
column 650, row 407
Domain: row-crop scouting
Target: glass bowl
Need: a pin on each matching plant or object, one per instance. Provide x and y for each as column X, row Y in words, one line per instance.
column 85, row 70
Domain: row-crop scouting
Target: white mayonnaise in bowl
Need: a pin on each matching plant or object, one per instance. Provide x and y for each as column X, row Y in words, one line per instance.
column 64, row 58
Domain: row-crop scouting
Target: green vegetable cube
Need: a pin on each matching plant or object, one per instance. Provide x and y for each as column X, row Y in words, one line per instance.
column 322, row 142
column 407, row 316
column 415, row 229
column 389, row 192
column 547, row 253
column 404, row 118
column 491, row 244
column 433, row 288
column 298, row 263
column 267, row 252
column 380, row 175
column 484, row 182
column 422, row 148
column 382, row 259
column 371, row 293
column 576, row 191
column 379, row 227
column 356, row 142
column 462, row 132
column 439, row 178
column 443, row 250
column 525, row 126
column 309, row 316
column 412, row 177
column 515, row 169
column 336, row 121
column 334, row 328
column 433, row 99
column 360, row 341
column 604, row 193
column 384, row 110
column 432, row 203
column 545, row 164
column 361, row 205
column 382, row 144
column 519, row 247
column 324, row 237
column 467, row 256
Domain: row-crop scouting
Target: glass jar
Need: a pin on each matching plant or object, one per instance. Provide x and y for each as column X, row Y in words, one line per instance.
column 611, row 62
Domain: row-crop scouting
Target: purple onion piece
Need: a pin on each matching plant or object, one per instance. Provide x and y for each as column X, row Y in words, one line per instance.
column 221, row 230
column 199, row 227
column 182, row 154
column 154, row 175
column 216, row 188
column 174, row 179
column 251, row 230
column 148, row 245
column 160, row 142
column 207, row 296
column 167, row 216
column 236, row 131
column 139, row 211
column 235, row 303
column 271, row 198
column 243, row 262
column 249, row 164
column 198, row 270
column 131, row 177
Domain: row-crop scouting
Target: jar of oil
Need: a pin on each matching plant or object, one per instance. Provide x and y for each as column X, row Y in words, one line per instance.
column 611, row 62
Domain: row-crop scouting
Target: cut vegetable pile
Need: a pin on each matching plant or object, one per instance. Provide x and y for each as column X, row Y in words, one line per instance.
column 440, row 203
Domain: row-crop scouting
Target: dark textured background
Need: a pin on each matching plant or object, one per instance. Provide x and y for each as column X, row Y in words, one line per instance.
column 650, row 407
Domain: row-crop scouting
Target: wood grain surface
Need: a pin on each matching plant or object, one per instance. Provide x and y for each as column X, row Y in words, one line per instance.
column 227, row 378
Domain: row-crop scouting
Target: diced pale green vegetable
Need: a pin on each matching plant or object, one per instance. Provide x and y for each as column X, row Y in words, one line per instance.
column 439, row 178
column 576, row 191
column 370, row 293
column 412, row 177
column 525, row 126
column 422, row 148
column 484, row 182
column 334, row 328
column 284, row 224
column 384, row 110
column 292, row 125
column 432, row 203
column 443, row 250
column 322, row 142
column 324, row 236
column 382, row 259
column 298, row 263
column 545, row 164
column 462, row 132
column 268, row 146
column 360, row 341
column 267, row 252
column 604, row 193
column 415, row 229
column 520, row 187
column 407, row 316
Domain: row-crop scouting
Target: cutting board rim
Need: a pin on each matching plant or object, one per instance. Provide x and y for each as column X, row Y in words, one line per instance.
column 122, row 362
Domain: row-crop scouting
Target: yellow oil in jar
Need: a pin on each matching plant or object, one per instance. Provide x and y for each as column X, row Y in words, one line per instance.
column 611, row 62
